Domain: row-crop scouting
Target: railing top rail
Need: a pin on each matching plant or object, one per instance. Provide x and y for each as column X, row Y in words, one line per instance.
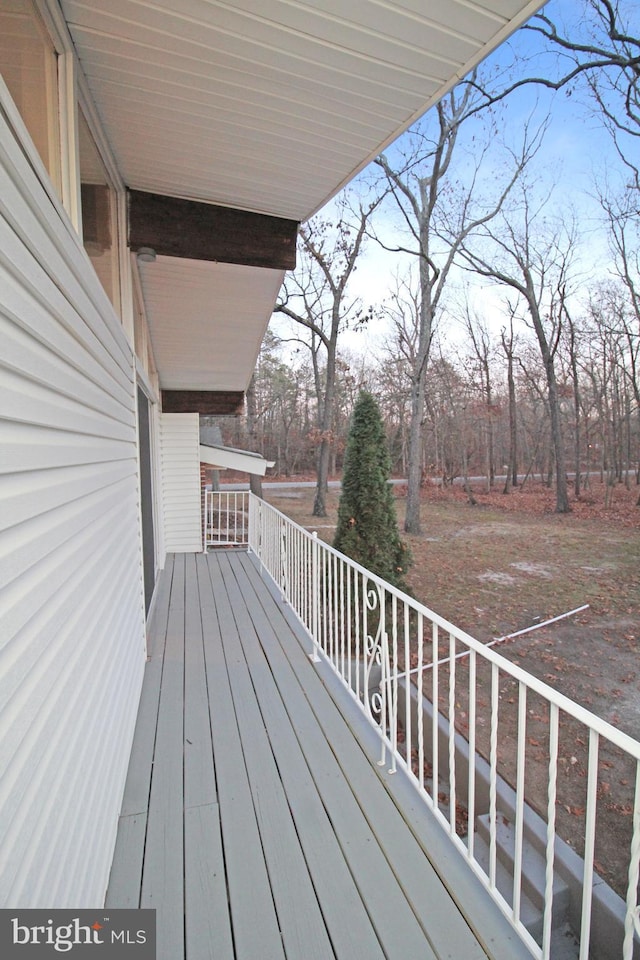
column 564, row 703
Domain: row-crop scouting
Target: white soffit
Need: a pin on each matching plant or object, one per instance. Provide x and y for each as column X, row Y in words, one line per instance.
column 207, row 320
column 272, row 105
column 228, row 458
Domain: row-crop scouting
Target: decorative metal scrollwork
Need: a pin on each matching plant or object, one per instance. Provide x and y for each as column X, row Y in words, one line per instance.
column 376, row 653
column 375, row 704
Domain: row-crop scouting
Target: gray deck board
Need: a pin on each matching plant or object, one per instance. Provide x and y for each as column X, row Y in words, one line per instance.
column 255, row 926
column 300, row 920
column 420, row 885
column 126, row 870
column 336, row 889
column 394, row 923
column 128, row 860
column 136, row 793
column 199, row 774
column 207, row 921
column 255, row 821
column 163, row 872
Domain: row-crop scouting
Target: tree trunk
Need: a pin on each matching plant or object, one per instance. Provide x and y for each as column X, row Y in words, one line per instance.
column 577, row 449
column 512, row 467
column 491, row 466
column 414, row 473
column 557, row 443
column 562, row 495
column 324, row 452
column 465, row 477
column 425, row 332
column 320, row 501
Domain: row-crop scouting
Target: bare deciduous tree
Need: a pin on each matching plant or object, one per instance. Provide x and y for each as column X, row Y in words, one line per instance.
column 534, row 260
column 316, row 297
column 439, row 212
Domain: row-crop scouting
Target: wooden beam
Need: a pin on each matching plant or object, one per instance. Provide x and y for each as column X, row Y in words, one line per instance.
column 203, row 231
column 210, row 403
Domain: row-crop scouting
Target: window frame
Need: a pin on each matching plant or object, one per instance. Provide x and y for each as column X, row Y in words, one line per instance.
column 70, row 94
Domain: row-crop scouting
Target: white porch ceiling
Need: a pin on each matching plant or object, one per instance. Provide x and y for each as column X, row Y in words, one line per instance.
column 270, row 106
column 207, row 320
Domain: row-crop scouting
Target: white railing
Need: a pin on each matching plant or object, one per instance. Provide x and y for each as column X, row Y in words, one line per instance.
column 513, row 726
column 226, row 518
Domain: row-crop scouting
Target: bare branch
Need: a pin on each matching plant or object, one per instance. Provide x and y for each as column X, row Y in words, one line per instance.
column 612, row 52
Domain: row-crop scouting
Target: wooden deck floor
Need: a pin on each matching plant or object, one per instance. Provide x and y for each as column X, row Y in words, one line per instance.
column 253, row 819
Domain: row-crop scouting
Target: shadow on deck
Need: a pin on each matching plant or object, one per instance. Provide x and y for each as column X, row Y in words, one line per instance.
column 254, row 820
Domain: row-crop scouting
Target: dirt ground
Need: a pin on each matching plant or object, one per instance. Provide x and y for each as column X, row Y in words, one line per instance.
column 507, row 564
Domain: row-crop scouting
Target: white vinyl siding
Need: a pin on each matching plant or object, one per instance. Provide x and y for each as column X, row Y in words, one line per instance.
column 72, row 635
column 180, row 465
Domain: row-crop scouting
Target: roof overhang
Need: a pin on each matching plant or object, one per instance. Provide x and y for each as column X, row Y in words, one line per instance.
column 207, row 320
column 227, row 458
column 262, row 107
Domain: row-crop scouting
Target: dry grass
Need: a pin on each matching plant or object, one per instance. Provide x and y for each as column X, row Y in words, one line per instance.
column 496, row 567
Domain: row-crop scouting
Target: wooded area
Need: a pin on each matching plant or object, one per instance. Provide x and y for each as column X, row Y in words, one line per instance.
column 508, row 341
column 468, row 421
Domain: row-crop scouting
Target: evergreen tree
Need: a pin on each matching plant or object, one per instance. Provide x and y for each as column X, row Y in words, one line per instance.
column 367, row 526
